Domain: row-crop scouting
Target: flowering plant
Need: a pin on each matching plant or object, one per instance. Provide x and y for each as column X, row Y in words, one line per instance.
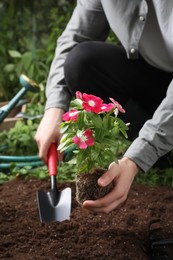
column 90, row 128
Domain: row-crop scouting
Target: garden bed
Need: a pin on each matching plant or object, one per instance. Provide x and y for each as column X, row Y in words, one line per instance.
column 118, row 235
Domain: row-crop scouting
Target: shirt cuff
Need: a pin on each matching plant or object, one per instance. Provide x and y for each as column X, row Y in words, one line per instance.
column 142, row 153
column 58, row 99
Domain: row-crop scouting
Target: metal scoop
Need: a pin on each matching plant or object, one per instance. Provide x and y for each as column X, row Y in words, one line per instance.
column 54, row 205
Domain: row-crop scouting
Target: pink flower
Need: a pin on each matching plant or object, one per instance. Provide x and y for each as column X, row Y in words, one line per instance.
column 71, row 115
column 78, row 95
column 92, row 103
column 117, row 105
column 107, row 107
column 84, row 139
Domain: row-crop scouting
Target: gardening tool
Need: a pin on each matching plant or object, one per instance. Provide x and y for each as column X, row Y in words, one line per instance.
column 25, row 116
column 22, row 161
column 54, row 205
column 28, row 85
column 159, row 246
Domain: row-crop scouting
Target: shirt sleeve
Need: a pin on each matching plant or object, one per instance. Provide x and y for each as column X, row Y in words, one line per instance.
column 88, row 22
column 156, row 136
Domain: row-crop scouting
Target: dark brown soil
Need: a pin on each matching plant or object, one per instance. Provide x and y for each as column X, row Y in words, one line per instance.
column 87, row 187
column 118, row 235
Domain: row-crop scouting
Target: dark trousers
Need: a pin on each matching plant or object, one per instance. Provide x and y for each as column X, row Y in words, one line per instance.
column 104, row 70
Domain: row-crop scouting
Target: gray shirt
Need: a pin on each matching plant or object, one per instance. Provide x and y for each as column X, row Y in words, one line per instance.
column 156, row 43
column 92, row 20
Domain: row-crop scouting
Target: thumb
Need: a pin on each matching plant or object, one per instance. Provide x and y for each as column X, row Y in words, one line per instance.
column 109, row 176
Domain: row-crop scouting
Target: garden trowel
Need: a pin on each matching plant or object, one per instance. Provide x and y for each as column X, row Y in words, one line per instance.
column 28, row 85
column 54, row 205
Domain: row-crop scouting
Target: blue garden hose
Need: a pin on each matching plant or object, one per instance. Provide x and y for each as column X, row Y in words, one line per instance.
column 9, row 158
column 6, row 166
column 32, row 160
column 21, row 161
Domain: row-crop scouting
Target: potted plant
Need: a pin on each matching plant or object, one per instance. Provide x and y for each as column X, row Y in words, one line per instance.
column 91, row 129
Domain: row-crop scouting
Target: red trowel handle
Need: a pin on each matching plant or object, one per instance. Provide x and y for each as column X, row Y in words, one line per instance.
column 52, row 159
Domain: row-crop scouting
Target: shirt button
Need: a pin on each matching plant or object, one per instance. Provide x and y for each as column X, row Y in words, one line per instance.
column 141, row 18
column 132, row 50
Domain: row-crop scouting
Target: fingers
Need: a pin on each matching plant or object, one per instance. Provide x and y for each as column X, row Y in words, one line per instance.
column 48, row 131
column 44, row 140
column 43, row 150
column 110, row 175
column 43, row 144
column 123, row 175
column 113, row 199
column 107, row 203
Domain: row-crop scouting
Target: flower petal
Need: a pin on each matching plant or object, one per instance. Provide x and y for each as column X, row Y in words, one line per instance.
column 88, row 133
column 92, row 103
column 76, row 139
column 117, row 105
column 90, row 141
column 83, row 145
column 78, row 95
column 71, row 115
column 107, row 107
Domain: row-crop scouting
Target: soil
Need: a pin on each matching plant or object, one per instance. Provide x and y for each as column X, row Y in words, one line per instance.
column 122, row 234
column 87, row 187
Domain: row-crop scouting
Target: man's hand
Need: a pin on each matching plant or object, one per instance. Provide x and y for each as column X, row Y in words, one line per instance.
column 122, row 174
column 48, row 131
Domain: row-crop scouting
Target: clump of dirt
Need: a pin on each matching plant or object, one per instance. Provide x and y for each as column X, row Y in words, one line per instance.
column 87, row 187
column 122, row 234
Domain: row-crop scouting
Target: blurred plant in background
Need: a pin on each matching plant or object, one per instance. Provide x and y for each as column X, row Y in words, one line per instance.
column 29, row 30
column 28, row 35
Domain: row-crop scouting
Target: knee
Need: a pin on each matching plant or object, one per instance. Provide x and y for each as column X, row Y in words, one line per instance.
column 79, row 58
column 77, row 65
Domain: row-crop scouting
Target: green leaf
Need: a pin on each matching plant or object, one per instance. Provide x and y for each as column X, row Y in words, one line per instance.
column 81, row 157
column 63, row 128
column 69, row 152
column 26, row 60
column 9, row 68
column 65, row 144
column 121, row 124
column 106, row 122
column 108, row 142
column 14, row 54
column 96, row 119
column 99, row 134
column 115, row 131
column 76, row 104
column 80, row 120
column 123, row 132
column 122, row 127
column 64, row 138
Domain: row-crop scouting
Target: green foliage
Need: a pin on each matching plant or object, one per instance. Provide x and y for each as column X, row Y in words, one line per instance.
column 65, row 173
column 156, row 177
column 19, row 140
column 29, row 30
column 24, row 173
column 4, row 178
column 34, row 68
column 112, row 37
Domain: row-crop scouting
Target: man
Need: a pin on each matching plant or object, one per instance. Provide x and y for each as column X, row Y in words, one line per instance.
column 137, row 73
